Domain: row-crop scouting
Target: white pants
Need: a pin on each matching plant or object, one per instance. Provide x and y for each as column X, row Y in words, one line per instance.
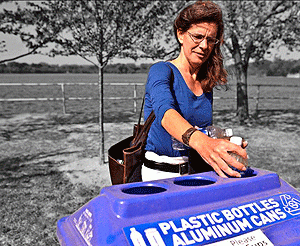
column 149, row 174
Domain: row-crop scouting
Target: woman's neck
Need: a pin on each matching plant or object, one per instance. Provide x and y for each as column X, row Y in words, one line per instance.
column 189, row 73
column 185, row 66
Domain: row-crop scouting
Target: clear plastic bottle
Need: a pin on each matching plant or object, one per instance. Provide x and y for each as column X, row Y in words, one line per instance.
column 248, row 172
column 217, row 132
column 212, row 131
column 177, row 145
column 238, row 141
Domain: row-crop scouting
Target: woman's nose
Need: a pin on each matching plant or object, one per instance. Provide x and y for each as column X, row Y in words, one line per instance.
column 203, row 44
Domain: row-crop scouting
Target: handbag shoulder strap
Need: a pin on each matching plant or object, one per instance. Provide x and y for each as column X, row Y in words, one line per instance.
column 141, row 112
column 142, row 134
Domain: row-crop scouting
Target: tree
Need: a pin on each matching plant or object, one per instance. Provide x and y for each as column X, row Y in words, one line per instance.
column 100, row 29
column 252, row 27
column 106, row 29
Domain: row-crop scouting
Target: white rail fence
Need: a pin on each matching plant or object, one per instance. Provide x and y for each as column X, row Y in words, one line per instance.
column 257, row 98
column 64, row 98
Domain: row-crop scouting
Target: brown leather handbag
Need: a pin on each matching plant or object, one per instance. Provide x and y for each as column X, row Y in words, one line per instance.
column 126, row 157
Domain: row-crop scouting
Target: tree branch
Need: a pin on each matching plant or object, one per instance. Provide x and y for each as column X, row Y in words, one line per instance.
column 272, row 13
column 18, row 57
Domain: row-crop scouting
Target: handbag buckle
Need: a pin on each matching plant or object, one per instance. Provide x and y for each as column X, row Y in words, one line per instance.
column 183, row 168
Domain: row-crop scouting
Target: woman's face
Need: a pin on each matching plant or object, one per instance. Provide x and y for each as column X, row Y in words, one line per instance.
column 198, row 42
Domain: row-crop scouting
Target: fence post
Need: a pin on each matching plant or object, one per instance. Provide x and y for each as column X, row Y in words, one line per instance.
column 63, row 97
column 135, row 100
column 257, row 97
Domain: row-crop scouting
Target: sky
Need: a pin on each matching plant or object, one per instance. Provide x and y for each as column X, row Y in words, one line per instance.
column 15, row 47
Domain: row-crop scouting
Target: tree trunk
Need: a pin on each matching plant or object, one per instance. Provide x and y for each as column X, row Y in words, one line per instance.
column 241, row 92
column 101, row 115
column 241, row 80
column 100, row 16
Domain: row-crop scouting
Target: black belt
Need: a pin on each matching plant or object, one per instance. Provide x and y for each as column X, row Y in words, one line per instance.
column 166, row 167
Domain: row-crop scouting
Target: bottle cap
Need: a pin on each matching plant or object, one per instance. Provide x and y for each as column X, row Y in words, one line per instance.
column 236, row 140
column 228, row 132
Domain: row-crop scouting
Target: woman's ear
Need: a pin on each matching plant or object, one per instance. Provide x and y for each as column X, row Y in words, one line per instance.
column 180, row 35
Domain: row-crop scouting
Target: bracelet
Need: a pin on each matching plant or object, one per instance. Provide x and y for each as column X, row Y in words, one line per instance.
column 187, row 135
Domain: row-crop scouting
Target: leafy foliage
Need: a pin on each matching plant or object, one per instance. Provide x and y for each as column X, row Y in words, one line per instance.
column 252, row 27
column 94, row 28
column 31, row 24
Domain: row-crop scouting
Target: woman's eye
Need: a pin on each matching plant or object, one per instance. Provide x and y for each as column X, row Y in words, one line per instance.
column 200, row 37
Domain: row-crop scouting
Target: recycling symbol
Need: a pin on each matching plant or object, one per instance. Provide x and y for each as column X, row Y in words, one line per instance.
column 290, row 204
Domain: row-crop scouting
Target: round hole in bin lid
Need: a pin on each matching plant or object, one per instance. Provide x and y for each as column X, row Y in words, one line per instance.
column 248, row 173
column 144, row 190
column 193, row 182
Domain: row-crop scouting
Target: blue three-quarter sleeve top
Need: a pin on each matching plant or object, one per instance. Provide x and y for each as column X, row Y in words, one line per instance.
column 166, row 89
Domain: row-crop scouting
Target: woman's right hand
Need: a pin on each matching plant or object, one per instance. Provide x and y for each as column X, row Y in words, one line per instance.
column 215, row 153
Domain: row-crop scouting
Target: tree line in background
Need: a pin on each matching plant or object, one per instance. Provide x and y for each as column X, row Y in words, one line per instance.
column 278, row 67
column 15, row 67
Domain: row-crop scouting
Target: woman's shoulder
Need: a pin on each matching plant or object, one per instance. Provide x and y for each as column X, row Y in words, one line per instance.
column 161, row 66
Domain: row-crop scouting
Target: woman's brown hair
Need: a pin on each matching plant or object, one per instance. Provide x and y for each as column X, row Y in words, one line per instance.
column 212, row 72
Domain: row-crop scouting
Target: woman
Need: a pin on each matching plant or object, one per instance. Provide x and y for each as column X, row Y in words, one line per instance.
column 180, row 93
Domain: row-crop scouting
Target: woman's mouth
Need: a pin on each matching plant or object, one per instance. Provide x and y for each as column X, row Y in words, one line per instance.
column 200, row 54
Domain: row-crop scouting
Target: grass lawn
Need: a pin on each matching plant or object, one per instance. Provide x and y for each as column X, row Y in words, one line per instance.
column 46, row 171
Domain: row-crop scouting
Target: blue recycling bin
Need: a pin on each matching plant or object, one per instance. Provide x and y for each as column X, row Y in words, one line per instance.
column 200, row 209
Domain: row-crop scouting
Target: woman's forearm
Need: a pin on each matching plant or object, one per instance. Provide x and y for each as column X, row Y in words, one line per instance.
column 175, row 124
